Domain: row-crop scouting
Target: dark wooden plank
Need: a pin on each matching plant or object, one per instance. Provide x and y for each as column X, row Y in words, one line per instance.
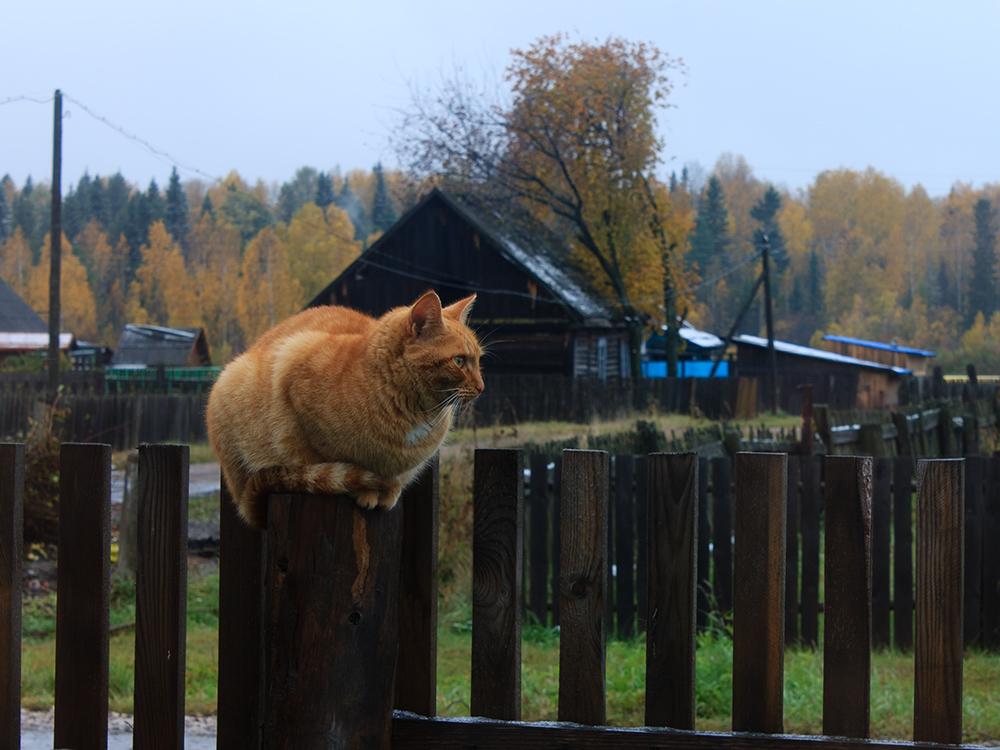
column 161, row 597
column 902, row 511
column 583, row 520
column 416, row 667
column 11, row 553
column 497, row 548
column 82, row 608
column 672, row 540
column 641, row 561
column 624, row 547
column 703, row 592
column 415, row 733
column 792, row 553
column 759, row 592
column 991, row 556
column 556, row 539
column 974, row 466
column 811, row 508
column 847, row 640
column 937, row 683
column 540, row 546
column 722, row 532
column 609, row 581
column 881, row 531
column 242, row 559
column 331, row 630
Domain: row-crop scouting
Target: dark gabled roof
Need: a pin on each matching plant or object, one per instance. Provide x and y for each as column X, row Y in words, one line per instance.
column 879, row 345
column 525, row 243
column 159, row 345
column 16, row 315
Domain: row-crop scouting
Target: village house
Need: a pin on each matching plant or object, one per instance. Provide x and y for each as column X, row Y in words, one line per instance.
column 534, row 311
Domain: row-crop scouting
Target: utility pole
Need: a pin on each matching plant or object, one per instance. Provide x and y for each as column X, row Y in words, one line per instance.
column 55, row 237
column 772, row 359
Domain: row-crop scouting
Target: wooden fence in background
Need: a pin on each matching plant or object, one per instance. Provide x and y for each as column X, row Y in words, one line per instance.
column 894, row 483
column 310, row 611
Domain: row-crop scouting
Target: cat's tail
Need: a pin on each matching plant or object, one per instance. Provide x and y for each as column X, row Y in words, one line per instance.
column 322, row 479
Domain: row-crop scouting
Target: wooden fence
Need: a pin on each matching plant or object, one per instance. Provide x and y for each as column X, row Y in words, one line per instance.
column 310, row 611
column 894, row 482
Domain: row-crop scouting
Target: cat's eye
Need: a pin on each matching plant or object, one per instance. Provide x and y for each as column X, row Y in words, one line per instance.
column 460, row 361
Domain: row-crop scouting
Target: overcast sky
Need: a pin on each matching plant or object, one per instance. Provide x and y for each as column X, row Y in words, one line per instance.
column 909, row 88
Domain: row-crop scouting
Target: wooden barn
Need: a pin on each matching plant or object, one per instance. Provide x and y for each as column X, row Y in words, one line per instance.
column 537, row 314
column 156, row 346
column 842, row 382
column 892, row 354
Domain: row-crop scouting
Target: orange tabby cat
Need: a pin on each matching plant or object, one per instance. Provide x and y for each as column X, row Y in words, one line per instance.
column 332, row 401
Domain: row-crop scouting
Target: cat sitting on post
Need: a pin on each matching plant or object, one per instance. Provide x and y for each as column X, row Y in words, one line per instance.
column 333, row 401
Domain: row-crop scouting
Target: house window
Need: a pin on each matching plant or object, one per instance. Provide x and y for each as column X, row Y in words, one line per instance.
column 602, row 358
column 624, row 359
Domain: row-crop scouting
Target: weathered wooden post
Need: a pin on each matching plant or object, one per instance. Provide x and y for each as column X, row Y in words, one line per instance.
column 330, row 626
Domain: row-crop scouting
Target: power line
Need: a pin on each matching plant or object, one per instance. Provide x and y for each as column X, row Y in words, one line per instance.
column 142, row 142
column 160, row 153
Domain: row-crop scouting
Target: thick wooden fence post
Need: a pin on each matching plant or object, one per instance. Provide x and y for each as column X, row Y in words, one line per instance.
column 672, row 534
column 11, row 539
column 759, row 593
column 937, row 665
column 82, row 609
column 331, row 625
column 847, row 642
column 241, row 626
column 497, row 549
column 161, row 597
column 583, row 521
column 416, row 668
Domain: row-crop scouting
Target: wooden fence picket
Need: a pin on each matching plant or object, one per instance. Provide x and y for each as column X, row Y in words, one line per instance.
column 759, row 593
column 497, row 548
column 584, row 572
column 83, row 580
column 11, row 554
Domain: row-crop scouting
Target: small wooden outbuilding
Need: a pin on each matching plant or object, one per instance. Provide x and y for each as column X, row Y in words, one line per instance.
column 892, row 354
column 154, row 346
column 842, row 382
column 534, row 310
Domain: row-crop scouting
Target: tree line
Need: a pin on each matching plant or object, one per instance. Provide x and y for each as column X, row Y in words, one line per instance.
column 573, row 147
column 230, row 257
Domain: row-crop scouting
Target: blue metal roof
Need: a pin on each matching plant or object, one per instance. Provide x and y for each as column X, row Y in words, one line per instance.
column 880, row 345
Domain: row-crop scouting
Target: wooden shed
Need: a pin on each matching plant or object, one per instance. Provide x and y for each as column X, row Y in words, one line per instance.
column 22, row 330
column 535, row 311
column 153, row 346
column 842, row 382
column 892, row 354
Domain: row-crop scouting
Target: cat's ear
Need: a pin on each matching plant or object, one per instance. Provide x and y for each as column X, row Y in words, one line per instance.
column 425, row 316
column 460, row 310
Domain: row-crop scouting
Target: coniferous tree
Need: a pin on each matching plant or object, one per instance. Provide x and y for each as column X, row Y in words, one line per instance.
column 99, row 202
column 207, row 207
column 177, row 214
column 24, row 214
column 711, row 229
column 324, row 191
column 982, row 286
column 155, row 206
column 6, row 214
column 76, row 208
column 383, row 211
column 297, row 193
column 766, row 212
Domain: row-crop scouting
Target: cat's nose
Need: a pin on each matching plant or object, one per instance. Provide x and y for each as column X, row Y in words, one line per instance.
column 480, row 385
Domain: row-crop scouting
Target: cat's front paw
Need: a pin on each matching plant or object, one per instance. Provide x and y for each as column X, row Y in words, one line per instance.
column 368, row 499
column 387, row 497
